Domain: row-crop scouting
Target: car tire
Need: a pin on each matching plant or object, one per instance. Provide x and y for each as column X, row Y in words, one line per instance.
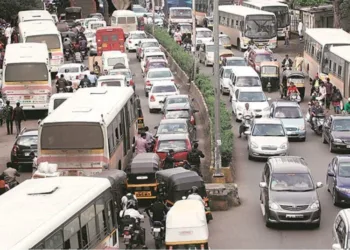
column 324, row 139
column 266, row 217
column 205, row 63
column 331, row 150
column 334, row 198
column 303, row 139
column 250, row 157
column 146, row 94
column 317, row 224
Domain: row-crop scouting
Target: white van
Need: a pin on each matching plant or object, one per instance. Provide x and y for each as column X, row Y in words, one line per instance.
column 111, row 58
column 341, row 230
column 57, row 99
column 34, row 15
column 125, row 19
column 112, row 81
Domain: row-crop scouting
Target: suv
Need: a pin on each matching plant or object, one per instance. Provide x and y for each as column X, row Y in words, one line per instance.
column 292, row 118
column 288, row 193
column 26, row 142
column 257, row 56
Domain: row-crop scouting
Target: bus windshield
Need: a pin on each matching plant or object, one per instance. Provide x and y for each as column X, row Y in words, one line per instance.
column 71, row 136
column 282, row 15
column 24, row 72
column 181, row 13
column 52, row 41
column 260, row 26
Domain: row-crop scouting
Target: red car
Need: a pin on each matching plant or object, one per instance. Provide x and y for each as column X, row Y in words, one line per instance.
column 180, row 143
column 257, row 56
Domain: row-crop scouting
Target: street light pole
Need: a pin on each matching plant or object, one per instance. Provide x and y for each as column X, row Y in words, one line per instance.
column 218, row 172
column 194, row 24
column 153, row 16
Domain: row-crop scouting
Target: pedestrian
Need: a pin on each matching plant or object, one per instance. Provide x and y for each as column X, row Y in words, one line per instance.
column 300, row 30
column 299, row 60
column 8, row 33
column 141, row 144
column 93, row 78
column 337, row 99
column 18, row 117
column 194, row 158
column 329, row 92
column 7, row 115
column 286, row 37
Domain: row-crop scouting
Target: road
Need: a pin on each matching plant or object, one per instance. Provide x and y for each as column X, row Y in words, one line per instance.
column 238, row 227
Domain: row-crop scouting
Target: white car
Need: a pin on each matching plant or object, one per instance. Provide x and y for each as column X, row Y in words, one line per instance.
column 73, row 72
column 159, row 92
column 91, row 38
column 225, row 83
column 157, row 75
column 112, row 81
column 158, row 19
column 267, row 137
column 256, row 99
column 134, row 39
column 203, row 35
column 145, row 43
column 206, row 53
column 152, row 55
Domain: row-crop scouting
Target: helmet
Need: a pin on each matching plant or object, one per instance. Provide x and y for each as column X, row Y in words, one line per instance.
column 194, row 190
column 131, row 204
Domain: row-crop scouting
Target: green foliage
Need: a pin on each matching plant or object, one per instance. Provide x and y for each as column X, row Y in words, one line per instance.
column 10, row 8
column 309, row 2
column 344, row 9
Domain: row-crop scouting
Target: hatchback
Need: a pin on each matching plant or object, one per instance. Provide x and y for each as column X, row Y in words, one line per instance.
column 134, row 39
column 180, row 110
column 180, row 143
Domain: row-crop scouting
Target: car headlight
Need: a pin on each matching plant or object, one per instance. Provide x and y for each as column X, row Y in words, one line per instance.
column 254, row 145
column 273, row 205
column 338, row 140
column 343, row 190
column 284, row 146
column 267, row 109
column 302, row 127
column 315, row 205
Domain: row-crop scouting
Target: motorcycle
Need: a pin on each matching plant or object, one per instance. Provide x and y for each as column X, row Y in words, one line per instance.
column 131, row 236
column 158, row 232
column 83, row 54
column 319, row 120
column 78, row 57
column 247, row 123
column 150, row 147
column 295, row 97
column 187, row 47
column 66, row 54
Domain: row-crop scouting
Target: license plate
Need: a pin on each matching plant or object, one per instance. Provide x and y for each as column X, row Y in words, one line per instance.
column 347, row 146
column 127, row 236
column 143, row 194
column 157, row 230
column 294, row 216
column 27, row 97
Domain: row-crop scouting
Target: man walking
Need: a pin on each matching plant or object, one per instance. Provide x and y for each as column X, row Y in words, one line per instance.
column 18, row 117
column 286, row 37
column 300, row 30
column 329, row 92
column 7, row 115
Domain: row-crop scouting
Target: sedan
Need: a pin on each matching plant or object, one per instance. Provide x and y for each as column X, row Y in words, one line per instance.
column 177, row 99
column 338, row 179
column 267, row 138
column 150, row 56
column 73, row 72
column 176, row 126
column 134, row 39
column 180, row 110
column 157, row 75
column 180, row 143
column 145, row 43
column 234, row 61
column 155, row 63
column 225, row 81
column 256, row 99
column 158, row 92
column 336, row 133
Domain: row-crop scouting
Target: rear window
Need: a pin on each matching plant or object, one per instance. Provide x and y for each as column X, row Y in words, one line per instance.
column 58, row 102
column 127, row 74
column 155, row 57
column 111, row 83
column 160, row 74
column 105, row 38
column 163, row 89
column 114, row 61
column 69, row 70
column 158, row 65
column 138, row 36
column 131, row 20
column 121, row 20
column 176, row 114
column 28, row 141
column 150, row 44
column 176, row 145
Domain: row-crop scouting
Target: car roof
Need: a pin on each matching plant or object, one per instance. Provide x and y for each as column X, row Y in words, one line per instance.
column 202, row 29
column 29, row 132
column 288, row 165
column 250, row 89
column 159, row 69
column 343, row 158
column 167, row 121
column 156, row 60
column 286, row 104
column 268, row 121
column 149, row 40
column 154, row 53
column 111, row 77
column 168, row 137
column 71, row 65
column 137, row 32
column 244, row 71
column 234, row 58
column 177, row 96
column 340, row 117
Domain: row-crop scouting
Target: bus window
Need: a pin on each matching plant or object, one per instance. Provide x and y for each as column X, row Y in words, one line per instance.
column 101, row 216
column 114, row 38
column 121, row 20
column 105, row 38
column 52, row 41
column 88, row 226
column 55, row 241
column 130, row 20
column 71, row 235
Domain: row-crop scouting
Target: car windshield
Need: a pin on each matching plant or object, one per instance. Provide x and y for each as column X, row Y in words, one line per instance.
column 288, row 112
column 111, row 83
column 127, row 74
column 138, row 36
column 163, row 89
column 160, row 74
column 268, row 130
column 157, row 65
column 176, row 145
column 341, row 125
column 227, row 73
column 69, row 70
column 150, row 44
column 211, row 48
column 177, row 100
column 236, row 62
column 155, row 57
column 251, row 97
column 176, row 114
column 173, row 128
column 139, row 10
column 204, row 34
column 248, row 82
column 291, row 182
column 28, row 141
column 344, row 169
column 263, row 58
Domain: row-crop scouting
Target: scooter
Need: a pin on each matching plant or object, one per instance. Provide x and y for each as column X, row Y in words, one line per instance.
column 158, row 232
column 247, row 124
column 295, row 97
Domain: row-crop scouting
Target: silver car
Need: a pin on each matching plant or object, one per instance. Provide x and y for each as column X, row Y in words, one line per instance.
column 157, row 75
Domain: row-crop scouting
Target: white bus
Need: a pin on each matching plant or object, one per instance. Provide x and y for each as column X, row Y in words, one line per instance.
column 280, row 10
column 180, row 15
column 243, row 25
column 34, row 15
column 60, row 213
column 204, row 9
column 317, row 43
column 44, row 32
column 26, row 77
column 92, row 130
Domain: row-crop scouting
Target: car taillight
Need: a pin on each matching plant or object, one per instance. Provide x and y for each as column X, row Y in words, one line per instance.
column 148, row 83
column 15, row 150
column 131, row 83
column 126, row 233
column 130, row 41
column 152, row 99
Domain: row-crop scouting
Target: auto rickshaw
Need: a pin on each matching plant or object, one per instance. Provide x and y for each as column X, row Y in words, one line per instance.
column 178, row 182
column 141, row 175
column 224, row 53
column 186, row 226
column 270, row 75
column 225, row 41
column 298, row 78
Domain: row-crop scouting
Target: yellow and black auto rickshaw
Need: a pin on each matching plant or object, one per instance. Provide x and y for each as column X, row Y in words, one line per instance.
column 141, row 175
column 270, row 75
column 298, row 78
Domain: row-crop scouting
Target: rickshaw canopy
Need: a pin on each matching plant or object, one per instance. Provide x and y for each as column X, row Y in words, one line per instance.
column 186, row 223
column 272, row 64
column 294, row 73
column 145, row 163
column 226, row 53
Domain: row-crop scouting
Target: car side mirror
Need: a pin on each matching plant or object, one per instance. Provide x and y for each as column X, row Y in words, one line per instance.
column 263, row 184
column 336, row 247
column 247, row 132
column 319, row 184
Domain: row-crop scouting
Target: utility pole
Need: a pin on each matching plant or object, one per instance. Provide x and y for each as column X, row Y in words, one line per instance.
column 153, row 16
column 218, row 173
column 194, row 38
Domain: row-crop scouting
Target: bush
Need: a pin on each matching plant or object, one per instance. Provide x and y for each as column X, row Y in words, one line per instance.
column 186, row 63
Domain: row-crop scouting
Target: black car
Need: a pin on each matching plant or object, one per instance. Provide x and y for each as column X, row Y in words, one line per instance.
column 26, row 142
column 336, row 133
column 176, row 126
column 288, row 193
column 338, row 179
column 180, row 110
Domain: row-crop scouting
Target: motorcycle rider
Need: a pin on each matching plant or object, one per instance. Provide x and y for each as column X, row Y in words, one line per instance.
column 158, row 210
column 170, row 160
column 315, row 84
column 61, row 83
column 194, row 195
column 323, row 93
column 85, row 82
column 83, row 45
column 177, row 36
column 97, row 68
column 246, row 112
column 10, row 175
column 128, row 197
column 187, row 40
column 194, row 158
column 292, row 89
column 316, row 109
column 67, row 45
column 287, row 63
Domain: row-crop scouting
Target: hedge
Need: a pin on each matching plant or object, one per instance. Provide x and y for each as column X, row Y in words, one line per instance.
column 203, row 82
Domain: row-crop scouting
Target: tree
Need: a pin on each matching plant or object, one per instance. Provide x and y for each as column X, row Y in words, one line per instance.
column 10, row 8
column 304, row 3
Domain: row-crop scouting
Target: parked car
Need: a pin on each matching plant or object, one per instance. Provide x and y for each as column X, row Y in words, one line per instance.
column 73, row 72
column 158, row 92
column 234, row 61
column 288, row 193
column 180, row 110
column 292, row 118
column 134, row 39
column 26, row 142
column 257, row 56
column 127, row 73
column 267, row 138
column 176, row 126
column 336, row 133
column 157, row 75
column 338, row 179
column 145, row 43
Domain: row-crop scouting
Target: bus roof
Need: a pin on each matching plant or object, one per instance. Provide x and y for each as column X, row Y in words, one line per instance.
column 122, row 13
column 89, row 104
column 342, row 52
column 329, row 36
column 265, row 3
column 48, row 202
column 26, row 52
column 243, row 11
column 32, row 15
column 37, row 28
